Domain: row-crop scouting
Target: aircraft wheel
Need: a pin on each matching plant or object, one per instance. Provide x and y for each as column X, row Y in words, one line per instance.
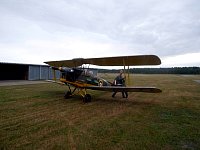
column 87, row 98
column 68, row 95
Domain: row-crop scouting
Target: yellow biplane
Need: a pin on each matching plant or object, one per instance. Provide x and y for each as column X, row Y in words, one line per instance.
column 74, row 74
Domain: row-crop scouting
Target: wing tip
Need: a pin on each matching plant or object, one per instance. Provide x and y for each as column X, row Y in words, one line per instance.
column 156, row 59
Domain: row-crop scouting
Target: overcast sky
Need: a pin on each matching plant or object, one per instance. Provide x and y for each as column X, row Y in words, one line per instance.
column 34, row 31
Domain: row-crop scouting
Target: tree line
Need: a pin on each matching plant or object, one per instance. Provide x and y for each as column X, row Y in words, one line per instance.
column 174, row 70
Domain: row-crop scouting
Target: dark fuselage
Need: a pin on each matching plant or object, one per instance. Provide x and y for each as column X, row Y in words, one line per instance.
column 79, row 77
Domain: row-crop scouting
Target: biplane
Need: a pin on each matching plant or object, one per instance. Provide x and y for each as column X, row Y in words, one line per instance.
column 74, row 74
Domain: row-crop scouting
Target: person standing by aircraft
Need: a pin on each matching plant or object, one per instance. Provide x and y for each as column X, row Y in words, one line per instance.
column 120, row 81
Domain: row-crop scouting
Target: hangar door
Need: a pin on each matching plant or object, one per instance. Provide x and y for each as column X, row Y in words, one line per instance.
column 13, row 71
column 38, row 72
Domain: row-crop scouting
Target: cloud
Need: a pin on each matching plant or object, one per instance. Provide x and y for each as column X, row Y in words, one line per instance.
column 182, row 60
column 64, row 29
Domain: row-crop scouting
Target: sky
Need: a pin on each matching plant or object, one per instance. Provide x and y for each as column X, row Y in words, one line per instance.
column 35, row 31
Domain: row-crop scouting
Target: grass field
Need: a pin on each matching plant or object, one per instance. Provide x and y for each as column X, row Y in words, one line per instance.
column 38, row 117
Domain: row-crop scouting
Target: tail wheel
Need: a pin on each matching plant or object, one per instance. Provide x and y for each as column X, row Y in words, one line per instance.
column 68, row 95
column 87, row 98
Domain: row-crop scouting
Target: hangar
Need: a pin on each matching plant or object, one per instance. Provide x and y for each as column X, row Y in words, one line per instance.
column 15, row 71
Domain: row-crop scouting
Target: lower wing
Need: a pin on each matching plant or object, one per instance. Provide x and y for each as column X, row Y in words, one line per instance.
column 117, row 88
column 124, row 89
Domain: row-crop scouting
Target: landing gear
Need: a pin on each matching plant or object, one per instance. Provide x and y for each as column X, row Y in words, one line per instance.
column 87, row 98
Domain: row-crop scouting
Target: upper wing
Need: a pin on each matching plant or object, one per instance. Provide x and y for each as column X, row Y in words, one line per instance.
column 125, row 89
column 66, row 63
column 110, row 61
column 125, row 60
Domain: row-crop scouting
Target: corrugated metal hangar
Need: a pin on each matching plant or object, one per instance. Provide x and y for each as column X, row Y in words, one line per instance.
column 14, row 71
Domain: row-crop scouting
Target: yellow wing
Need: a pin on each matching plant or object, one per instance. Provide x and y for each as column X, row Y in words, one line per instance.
column 110, row 61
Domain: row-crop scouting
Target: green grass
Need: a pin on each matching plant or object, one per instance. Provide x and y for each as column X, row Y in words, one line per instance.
column 38, row 117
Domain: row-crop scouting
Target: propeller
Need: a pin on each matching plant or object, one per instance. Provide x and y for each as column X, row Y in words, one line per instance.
column 63, row 69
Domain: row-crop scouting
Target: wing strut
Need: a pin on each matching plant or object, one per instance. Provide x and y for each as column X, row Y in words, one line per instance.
column 128, row 77
column 126, row 72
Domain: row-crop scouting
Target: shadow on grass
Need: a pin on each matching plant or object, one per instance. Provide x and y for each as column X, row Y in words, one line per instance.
column 101, row 98
column 135, row 102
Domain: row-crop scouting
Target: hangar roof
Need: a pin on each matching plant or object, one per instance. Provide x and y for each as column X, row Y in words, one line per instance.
column 9, row 63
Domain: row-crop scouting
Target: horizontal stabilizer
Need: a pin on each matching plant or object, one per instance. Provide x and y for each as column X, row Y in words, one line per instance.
column 57, row 82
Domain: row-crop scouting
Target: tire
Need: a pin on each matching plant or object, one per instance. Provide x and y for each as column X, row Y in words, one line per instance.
column 87, row 98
